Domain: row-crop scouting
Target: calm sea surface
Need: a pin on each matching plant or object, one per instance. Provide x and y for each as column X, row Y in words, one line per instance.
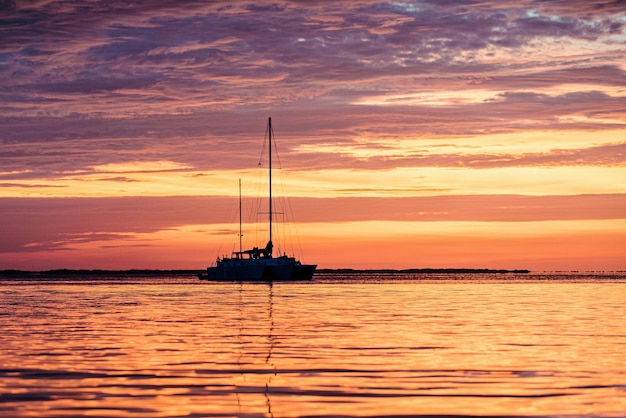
column 387, row 345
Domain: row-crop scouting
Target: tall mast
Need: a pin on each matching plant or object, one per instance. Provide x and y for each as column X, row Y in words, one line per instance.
column 240, row 234
column 269, row 124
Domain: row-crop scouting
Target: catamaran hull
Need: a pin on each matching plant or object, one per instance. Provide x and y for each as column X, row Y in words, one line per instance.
column 265, row 273
column 235, row 273
column 303, row 272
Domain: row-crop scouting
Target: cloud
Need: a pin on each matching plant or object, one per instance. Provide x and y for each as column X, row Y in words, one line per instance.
column 56, row 224
column 360, row 85
column 43, row 224
column 604, row 155
column 118, row 179
column 64, row 241
column 28, row 186
column 140, row 167
column 94, row 83
column 202, row 47
column 607, row 155
column 86, row 84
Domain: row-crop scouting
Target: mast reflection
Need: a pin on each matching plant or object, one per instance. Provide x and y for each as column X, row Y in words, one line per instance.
column 255, row 337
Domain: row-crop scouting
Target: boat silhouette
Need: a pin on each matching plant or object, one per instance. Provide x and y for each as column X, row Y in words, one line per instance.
column 259, row 263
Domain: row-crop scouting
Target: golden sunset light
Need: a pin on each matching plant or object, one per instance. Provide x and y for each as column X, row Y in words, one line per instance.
column 288, row 208
column 426, row 130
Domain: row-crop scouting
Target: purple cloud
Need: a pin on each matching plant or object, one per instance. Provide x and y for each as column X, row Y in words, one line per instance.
column 85, row 83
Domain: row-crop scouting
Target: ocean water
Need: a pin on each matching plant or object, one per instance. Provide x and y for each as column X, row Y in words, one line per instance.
column 534, row 345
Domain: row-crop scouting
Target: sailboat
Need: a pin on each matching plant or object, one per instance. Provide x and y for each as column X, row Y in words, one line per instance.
column 259, row 264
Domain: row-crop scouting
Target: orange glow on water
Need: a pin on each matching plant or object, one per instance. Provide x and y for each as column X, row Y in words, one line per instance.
column 352, row 348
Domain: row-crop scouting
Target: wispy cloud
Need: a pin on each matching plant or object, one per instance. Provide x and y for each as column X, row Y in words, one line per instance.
column 137, row 97
column 71, row 221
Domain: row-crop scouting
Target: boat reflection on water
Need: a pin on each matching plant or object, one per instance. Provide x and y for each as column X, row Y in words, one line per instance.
column 254, row 377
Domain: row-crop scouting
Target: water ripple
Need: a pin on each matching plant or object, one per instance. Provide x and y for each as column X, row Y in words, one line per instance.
column 341, row 347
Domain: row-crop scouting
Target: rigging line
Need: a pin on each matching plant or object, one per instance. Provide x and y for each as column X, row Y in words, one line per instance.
column 275, row 150
column 257, row 188
column 287, row 219
column 295, row 233
column 281, row 210
column 290, row 220
column 267, row 142
column 261, row 157
column 255, row 206
column 251, row 204
column 228, row 235
column 294, row 241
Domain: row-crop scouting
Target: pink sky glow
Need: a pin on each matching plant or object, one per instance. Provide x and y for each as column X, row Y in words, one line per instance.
column 482, row 134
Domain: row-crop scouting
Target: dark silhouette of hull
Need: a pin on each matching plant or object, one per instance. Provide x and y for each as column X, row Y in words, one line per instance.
column 262, row 269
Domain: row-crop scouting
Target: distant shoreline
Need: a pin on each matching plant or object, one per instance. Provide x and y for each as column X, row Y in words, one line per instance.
column 58, row 273
column 97, row 273
column 421, row 270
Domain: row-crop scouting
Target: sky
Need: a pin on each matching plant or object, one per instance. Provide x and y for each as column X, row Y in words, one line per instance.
column 410, row 134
